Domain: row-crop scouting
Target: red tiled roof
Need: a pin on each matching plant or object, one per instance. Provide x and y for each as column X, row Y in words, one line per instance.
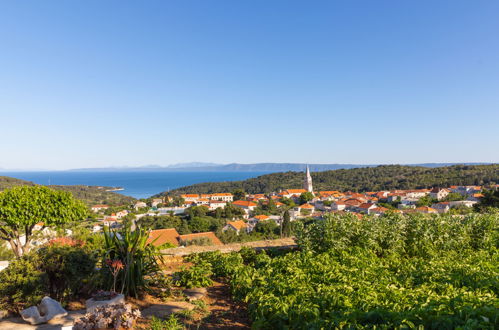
column 239, row 224
column 162, row 236
column 244, row 203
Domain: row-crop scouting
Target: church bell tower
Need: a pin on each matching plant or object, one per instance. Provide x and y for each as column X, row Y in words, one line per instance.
column 307, row 184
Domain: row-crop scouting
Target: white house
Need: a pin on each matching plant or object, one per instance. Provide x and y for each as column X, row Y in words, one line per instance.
column 439, row 193
column 227, row 197
column 99, row 207
column 140, row 205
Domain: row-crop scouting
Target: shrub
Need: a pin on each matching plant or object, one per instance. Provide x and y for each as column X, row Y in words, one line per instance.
column 199, row 241
column 196, row 276
column 22, row 284
column 68, row 266
column 172, row 323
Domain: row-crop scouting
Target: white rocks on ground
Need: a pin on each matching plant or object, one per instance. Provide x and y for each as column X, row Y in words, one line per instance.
column 46, row 311
column 91, row 304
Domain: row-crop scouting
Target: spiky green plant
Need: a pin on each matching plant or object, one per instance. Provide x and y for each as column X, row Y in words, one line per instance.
column 139, row 258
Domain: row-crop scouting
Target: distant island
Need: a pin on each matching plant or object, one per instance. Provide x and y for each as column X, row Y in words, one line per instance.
column 257, row 167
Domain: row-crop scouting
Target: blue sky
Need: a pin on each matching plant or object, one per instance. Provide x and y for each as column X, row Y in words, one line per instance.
column 106, row 83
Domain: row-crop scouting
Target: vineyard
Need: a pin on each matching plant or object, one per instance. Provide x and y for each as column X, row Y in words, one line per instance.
column 438, row 272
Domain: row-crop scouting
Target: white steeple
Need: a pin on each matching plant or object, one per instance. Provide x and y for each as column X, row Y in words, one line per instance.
column 307, row 184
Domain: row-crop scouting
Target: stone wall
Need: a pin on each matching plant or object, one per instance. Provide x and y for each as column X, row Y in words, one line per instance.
column 283, row 243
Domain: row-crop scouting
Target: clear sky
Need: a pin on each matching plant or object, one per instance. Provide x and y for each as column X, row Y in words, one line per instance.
column 109, row 83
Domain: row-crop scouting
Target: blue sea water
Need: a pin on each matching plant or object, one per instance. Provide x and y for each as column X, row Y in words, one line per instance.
column 140, row 184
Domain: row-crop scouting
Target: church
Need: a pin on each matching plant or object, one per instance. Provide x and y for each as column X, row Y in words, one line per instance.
column 307, row 184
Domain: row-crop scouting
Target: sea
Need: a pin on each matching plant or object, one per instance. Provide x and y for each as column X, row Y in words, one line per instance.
column 140, row 184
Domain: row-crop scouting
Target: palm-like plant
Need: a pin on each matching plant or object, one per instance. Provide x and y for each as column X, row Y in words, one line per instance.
column 138, row 257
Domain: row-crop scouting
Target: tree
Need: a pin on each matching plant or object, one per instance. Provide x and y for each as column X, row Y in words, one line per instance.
column 21, row 208
column 286, row 224
column 305, row 197
column 490, row 199
column 239, row 194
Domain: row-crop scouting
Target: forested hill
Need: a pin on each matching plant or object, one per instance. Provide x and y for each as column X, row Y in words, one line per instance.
column 360, row 179
column 88, row 194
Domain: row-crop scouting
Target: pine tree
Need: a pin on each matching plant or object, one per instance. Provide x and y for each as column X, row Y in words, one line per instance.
column 286, row 225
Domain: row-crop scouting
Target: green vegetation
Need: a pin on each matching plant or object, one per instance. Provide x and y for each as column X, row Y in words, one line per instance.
column 21, row 208
column 22, row 284
column 490, row 199
column 68, row 265
column 172, row 323
column 138, row 259
column 432, row 272
column 62, row 269
column 89, row 194
column 197, row 276
column 360, row 179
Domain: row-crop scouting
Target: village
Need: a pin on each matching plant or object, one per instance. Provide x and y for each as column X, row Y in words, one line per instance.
column 297, row 203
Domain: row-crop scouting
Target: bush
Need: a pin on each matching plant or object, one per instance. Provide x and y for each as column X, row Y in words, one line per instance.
column 5, row 253
column 22, row 284
column 68, row 266
column 172, row 323
column 197, row 276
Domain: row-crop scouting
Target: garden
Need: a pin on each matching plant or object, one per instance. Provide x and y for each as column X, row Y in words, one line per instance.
column 389, row 272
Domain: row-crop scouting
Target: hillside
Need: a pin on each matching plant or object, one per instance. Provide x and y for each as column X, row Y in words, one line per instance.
column 89, row 194
column 360, row 179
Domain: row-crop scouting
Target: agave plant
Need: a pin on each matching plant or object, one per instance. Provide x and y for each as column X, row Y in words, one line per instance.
column 137, row 256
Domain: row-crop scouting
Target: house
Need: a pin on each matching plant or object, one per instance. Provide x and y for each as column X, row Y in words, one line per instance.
column 425, row 209
column 475, row 197
column 161, row 237
column 365, row 207
column 468, row 203
column 417, row 193
column 306, row 208
column 378, row 210
column 139, row 205
column 442, row 207
column 192, row 239
column 121, row 214
column 156, row 201
column 439, row 193
column 99, row 207
column 215, row 204
column 190, row 197
column 290, row 193
column 257, row 218
column 202, row 201
column 96, row 228
column 247, row 206
column 226, row 197
column 237, row 226
column 338, row 206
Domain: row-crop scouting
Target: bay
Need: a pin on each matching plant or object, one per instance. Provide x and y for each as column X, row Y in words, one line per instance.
column 140, row 184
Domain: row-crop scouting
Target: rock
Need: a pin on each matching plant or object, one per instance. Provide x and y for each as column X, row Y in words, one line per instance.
column 3, row 314
column 164, row 310
column 91, row 304
column 46, row 311
column 195, row 294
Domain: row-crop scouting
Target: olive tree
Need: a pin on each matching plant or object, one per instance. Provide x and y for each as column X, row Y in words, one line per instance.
column 21, row 208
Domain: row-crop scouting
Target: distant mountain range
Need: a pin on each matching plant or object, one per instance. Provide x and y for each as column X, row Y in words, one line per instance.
column 258, row 167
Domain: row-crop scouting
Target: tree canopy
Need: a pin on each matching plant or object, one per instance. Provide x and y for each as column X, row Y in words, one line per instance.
column 21, row 208
column 385, row 177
